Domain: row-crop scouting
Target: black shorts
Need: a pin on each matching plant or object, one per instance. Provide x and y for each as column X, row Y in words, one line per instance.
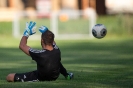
column 26, row 77
column 33, row 77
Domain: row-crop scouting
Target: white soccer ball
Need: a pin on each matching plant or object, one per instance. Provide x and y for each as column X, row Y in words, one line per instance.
column 99, row 31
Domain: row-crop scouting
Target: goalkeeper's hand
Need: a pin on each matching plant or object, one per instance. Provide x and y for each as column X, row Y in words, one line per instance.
column 30, row 29
column 43, row 29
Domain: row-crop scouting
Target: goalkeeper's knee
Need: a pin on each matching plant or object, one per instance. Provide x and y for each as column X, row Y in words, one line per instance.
column 10, row 77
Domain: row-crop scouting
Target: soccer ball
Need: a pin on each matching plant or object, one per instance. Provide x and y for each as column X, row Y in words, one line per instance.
column 99, row 31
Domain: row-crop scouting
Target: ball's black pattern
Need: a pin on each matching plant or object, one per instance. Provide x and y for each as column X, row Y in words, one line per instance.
column 94, row 33
column 103, row 32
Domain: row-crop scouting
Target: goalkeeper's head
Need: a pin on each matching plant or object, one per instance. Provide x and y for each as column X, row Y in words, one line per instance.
column 47, row 38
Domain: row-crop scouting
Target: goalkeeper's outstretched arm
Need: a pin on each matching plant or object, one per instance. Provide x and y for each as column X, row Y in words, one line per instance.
column 23, row 45
column 30, row 30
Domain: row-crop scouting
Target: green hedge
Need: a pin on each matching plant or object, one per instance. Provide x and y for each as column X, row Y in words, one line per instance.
column 118, row 25
column 121, row 24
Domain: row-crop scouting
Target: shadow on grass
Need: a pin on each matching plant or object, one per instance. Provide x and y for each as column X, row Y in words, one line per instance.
column 95, row 64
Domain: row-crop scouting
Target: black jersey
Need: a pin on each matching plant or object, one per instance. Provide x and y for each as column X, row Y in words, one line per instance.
column 48, row 62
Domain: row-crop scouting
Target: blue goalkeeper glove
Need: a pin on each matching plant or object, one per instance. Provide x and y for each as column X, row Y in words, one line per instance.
column 43, row 29
column 30, row 29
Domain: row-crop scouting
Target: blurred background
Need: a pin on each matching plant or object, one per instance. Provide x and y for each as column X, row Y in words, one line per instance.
column 96, row 63
column 67, row 18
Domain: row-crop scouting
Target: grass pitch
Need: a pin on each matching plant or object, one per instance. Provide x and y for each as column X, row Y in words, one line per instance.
column 96, row 63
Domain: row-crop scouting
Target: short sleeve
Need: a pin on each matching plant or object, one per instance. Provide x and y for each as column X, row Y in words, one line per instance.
column 35, row 54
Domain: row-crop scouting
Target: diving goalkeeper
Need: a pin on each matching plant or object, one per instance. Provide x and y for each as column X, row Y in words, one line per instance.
column 48, row 59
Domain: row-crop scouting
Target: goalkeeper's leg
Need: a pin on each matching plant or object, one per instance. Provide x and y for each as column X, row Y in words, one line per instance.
column 22, row 77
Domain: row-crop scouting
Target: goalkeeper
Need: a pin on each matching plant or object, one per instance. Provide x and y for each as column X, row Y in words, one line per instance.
column 48, row 59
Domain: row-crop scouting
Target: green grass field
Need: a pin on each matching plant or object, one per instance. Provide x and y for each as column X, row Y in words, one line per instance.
column 96, row 63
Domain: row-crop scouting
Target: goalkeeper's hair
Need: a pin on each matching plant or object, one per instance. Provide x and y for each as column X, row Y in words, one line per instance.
column 48, row 37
